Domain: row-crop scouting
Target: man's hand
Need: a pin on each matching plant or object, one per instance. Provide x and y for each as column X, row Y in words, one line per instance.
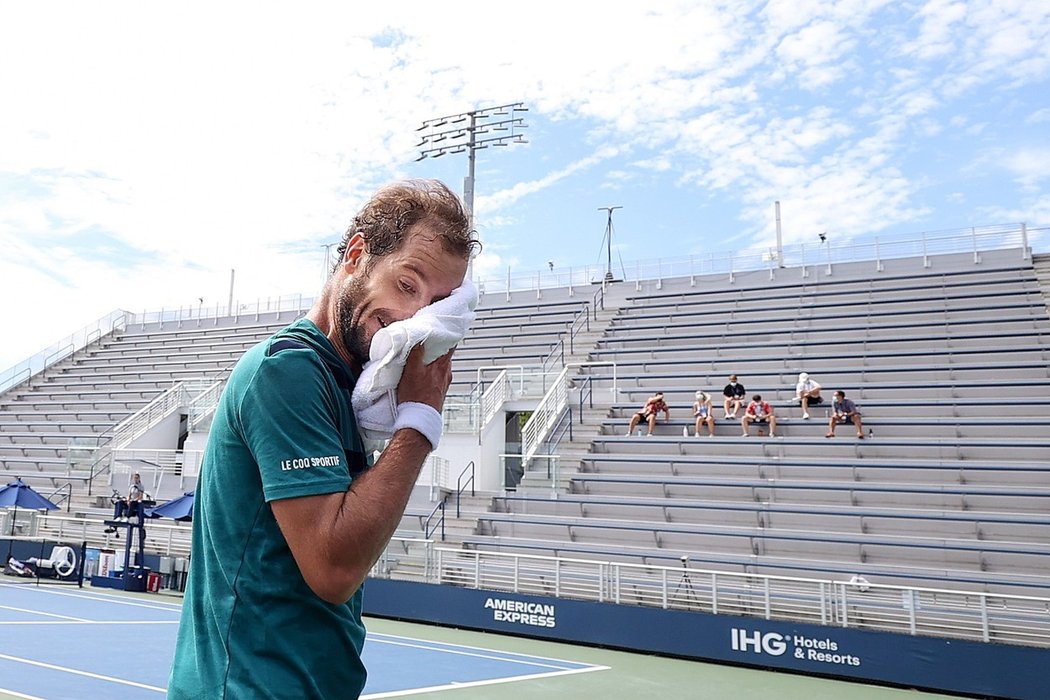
column 425, row 383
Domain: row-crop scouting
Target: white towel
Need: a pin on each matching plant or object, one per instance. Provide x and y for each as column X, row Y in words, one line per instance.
column 439, row 327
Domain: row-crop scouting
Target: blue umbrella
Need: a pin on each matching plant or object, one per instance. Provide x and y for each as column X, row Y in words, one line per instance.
column 19, row 494
column 180, row 508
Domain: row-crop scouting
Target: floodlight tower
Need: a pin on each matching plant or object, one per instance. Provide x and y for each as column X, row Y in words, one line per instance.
column 608, row 243
column 471, row 132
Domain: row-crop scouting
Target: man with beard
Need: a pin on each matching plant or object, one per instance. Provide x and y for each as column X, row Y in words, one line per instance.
column 289, row 516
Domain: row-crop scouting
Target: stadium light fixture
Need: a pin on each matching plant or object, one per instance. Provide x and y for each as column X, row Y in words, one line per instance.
column 609, row 277
column 442, row 136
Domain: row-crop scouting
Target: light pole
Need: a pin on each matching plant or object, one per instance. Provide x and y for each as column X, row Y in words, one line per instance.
column 327, row 260
column 471, row 132
column 608, row 243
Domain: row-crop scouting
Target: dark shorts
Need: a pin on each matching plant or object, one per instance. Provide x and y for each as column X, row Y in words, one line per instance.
column 644, row 416
column 848, row 420
column 815, row 399
column 764, row 419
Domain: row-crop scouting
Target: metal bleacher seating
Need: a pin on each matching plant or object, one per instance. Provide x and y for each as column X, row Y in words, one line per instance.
column 949, row 365
column 82, row 397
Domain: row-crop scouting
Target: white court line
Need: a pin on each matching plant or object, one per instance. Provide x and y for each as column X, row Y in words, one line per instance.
column 476, row 654
column 474, row 684
column 74, row 671
column 39, row 612
column 7, row 691
column 109, row 598
column 373, row 636
column 86, row 622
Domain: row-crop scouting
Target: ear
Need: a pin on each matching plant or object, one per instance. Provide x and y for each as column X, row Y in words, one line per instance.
column 355, row 253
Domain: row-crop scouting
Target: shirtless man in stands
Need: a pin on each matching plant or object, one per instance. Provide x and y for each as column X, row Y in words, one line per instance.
column 653, row 405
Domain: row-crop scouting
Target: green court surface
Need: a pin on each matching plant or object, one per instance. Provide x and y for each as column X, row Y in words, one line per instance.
column 552, row 669
column 635, row 676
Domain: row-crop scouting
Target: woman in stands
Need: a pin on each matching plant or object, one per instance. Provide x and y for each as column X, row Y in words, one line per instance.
column 702, row 410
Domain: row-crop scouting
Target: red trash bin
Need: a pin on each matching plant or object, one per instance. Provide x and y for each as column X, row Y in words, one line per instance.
column 153, row 582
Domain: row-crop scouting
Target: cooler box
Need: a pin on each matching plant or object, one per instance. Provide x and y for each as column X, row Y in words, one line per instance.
column 135, row 578
column 153, row 582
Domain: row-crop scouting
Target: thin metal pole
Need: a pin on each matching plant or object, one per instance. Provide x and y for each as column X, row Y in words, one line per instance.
column 468, row 184
column 780, row 240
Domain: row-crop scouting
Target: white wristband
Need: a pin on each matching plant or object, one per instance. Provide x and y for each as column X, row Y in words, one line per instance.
column 422, row 418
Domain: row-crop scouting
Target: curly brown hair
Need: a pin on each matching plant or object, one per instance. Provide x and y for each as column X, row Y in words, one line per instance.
column 395, row 208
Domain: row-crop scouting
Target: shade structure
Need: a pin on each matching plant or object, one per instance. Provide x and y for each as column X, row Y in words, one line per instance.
column 180, row 508
column 21, row 495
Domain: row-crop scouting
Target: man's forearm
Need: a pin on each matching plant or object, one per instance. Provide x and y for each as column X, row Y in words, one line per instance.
column 337, row 537
column 376, row 500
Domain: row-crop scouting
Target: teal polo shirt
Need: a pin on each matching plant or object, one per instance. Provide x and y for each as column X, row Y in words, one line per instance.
column 251, row 627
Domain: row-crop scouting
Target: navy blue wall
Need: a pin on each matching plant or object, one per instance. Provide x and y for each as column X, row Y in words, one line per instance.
column 960, row 666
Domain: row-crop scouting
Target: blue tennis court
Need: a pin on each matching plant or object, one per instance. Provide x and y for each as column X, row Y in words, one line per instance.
column 58, row 643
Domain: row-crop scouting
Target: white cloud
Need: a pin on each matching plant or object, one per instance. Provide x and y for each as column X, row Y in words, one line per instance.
column 1030, row 166
column 1039, row 116
column 505, row 198
column 246, row 140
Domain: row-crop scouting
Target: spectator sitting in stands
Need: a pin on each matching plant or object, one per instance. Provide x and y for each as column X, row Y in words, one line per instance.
column 844, row 411
column 759, row 411
column 734, row 393
column 702, row 410
column 652, row 406
column 807, row 391
column 135, row 494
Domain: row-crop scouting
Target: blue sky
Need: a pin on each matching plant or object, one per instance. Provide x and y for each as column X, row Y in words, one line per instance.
column 146, row 149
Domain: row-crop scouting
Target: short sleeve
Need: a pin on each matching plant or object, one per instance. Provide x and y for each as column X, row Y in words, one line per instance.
column 288, row 416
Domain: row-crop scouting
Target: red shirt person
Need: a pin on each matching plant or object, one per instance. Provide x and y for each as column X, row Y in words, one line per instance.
column 653, row 405
column 759, row 411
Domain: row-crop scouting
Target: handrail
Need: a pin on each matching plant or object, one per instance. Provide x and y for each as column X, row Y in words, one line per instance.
column 427, row 532
column 557, row 351
column 855, row 603
column 205, row 403
column 543, row 417
column 564, row 425
column 967, row 240
column 460, row 487
column 60, row 354
column 38, row 362
column 586, row 393
column 558, row 348
column 493, row 399
column 67, row 497
column 149, row 415
column 579, row 321
column 599, row 363
column 296, row 303
column 598, row 300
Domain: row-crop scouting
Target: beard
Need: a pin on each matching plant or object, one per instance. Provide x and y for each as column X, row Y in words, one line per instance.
column 352, row 334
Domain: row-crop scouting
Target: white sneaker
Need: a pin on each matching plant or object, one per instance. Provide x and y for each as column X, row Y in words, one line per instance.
column 805, row 416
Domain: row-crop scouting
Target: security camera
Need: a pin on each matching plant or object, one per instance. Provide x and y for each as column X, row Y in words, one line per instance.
column 550, row 264
column 684, row 558
column 823, row 237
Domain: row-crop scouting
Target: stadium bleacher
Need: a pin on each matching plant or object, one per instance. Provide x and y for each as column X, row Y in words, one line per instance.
column 949, row 366
column 948, row 362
